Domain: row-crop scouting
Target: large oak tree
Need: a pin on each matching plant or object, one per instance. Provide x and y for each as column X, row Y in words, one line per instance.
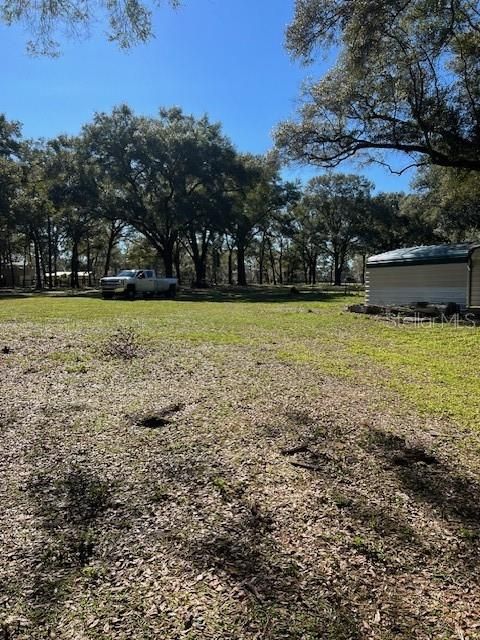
column 172, row 176
column 406, row 78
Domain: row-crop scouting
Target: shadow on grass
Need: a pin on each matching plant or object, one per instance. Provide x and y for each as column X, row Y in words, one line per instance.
column 457, row 497
column 264, row 294
column 254, row 293
column 7, row 295
column 247, row 553
column 281, row 599
column 68, row 504
column 27, row 294
column 377, row 524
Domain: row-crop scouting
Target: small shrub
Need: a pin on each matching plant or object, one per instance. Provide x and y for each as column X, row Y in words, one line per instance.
column 122, row 344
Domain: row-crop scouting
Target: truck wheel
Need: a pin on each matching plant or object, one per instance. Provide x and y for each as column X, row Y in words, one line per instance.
column 172, row 291
column 107, row 296
column 130, row 292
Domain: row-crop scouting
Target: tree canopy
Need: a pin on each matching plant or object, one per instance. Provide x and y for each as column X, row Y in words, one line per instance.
column 451, row 197
column 129, row 21
column 170, row 174
column 9, row 136
column 406, row 78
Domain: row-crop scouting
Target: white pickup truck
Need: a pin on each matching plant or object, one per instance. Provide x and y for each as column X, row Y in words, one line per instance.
column 130, row 282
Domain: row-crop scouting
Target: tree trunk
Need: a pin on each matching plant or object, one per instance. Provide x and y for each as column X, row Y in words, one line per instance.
column 280, row 263
column 50, row 253
column 337, row 270
column 3, row 265
column 111, row 242
column 38, row 266
column 24, row 275
column 261, row 261
column 314, row 269
column 272, row 262
column 89, row 263
column 74, row 282
column 55, row 261
column 44, row 266
column 178, row 271
column 230, row 266
column 168, row 257
column 241, row 272
column 199, row 254
column 200, row 264
column 215, row 262
column 10, row 261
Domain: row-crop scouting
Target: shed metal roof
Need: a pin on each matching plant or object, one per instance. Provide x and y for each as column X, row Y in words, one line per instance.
column 437, row 254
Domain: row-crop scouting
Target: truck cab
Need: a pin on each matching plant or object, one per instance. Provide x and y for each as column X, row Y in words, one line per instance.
column 132, row 282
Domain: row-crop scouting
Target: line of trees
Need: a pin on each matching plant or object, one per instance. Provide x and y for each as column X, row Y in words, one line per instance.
column 173, row 193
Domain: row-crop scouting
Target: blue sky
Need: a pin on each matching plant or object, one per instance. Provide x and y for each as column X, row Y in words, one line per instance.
column 221, row 57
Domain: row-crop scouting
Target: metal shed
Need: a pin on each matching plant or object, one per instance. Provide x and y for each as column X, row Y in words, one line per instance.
column 435, row 274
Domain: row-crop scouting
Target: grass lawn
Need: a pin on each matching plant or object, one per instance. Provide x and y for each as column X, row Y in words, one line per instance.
column 236, row 464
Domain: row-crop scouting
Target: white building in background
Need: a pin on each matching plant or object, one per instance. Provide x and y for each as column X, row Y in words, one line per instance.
column 433, row 274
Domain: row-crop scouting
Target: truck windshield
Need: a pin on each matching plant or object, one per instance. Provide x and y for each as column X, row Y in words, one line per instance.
column 126, row 273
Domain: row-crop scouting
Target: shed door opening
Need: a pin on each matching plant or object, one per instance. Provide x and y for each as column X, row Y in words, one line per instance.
column 475, row 279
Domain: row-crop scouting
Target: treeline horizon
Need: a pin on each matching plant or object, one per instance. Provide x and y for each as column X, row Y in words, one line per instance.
column 171, row 192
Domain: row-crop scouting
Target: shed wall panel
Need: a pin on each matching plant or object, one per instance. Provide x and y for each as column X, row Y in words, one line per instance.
column 475, row 279
column 434, row 283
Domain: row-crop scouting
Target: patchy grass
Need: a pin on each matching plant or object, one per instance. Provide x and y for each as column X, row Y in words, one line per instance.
column 433, row 367
column 248, row 465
